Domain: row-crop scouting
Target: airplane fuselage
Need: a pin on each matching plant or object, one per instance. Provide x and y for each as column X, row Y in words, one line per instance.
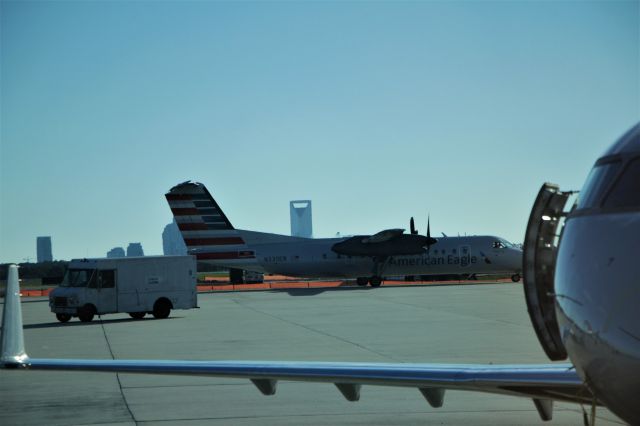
column 315, row 258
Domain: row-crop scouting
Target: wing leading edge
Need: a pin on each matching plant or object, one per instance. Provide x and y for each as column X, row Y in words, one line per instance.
column 543, row 383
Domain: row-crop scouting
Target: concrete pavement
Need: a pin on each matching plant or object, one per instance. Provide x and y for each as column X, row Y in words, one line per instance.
column 449, row 324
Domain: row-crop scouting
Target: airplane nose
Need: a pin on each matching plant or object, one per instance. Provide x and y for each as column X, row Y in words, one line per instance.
column 515, row 259
column 596, row 286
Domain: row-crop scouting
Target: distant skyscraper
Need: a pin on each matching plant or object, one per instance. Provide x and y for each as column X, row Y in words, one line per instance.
column 134, row 249
column 44, row 249
column 116, row 252
column 301, row 218
column 172, row 241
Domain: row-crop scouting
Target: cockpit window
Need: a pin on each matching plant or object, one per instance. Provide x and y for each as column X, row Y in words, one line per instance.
column 597, row 182
column 501, row 243
column 626, row 190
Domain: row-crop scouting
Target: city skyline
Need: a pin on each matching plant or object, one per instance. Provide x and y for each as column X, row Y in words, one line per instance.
column 301, row 217
column 172, row 241
column 44, row 251
column 116, row 252
column 376, row 111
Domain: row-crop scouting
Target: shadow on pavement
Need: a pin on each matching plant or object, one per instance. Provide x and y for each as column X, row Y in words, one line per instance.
column 318, row 290
column 96, row 321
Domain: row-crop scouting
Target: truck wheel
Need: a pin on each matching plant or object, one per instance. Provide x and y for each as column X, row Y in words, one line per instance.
column 362, row 281
column 161, row 309
column 63, row 317
column 515, row 278
column 86, row 313
column 137, row 315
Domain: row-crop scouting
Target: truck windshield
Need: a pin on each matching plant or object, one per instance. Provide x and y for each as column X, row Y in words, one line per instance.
column 78, row 277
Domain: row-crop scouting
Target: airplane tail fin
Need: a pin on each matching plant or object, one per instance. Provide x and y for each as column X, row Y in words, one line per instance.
column 12, row 342
column 206, row 230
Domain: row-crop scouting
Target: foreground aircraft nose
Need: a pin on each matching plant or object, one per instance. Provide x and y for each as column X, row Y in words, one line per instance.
column 598, row 323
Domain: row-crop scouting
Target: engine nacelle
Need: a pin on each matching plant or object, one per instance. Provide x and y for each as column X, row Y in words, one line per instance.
column 539, row 261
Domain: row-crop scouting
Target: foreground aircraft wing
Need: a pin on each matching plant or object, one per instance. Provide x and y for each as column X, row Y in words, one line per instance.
column 543, row 383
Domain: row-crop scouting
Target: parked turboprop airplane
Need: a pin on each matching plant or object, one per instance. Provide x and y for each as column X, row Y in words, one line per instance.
column 209, row 235
column 582, row 296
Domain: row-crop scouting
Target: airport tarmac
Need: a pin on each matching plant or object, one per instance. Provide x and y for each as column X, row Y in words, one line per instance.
column 443, row 324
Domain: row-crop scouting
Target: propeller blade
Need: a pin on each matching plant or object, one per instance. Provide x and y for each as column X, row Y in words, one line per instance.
column 414, row 231
column 430, row 241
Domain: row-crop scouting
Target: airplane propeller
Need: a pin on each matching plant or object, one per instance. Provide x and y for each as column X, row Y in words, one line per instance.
column 414, row 231
column 430, row 240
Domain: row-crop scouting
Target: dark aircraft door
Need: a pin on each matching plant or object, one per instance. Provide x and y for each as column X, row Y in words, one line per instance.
column 107, row 291
column 465, row 256
column 540, row 249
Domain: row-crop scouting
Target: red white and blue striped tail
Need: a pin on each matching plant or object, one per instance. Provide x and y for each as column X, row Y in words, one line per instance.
column 206, row 231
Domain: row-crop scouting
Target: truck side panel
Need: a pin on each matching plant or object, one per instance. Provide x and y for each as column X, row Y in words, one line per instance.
column 144, row 281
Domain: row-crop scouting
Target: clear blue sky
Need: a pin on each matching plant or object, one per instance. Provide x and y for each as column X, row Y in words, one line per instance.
column 375, row 111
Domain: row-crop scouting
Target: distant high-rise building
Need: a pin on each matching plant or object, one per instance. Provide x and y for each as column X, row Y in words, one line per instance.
column 134, row 249
column 116, row 252
column 44, row 249
column 172, row 241
column 301, row 218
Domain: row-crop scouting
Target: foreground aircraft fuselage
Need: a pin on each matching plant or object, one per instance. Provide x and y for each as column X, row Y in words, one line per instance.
column 209, row 236
column 597, row 284
column 583, row 292
column 598, row 305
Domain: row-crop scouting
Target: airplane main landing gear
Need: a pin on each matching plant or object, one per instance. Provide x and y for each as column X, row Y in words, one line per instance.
column 375, row 281
column 362, row 281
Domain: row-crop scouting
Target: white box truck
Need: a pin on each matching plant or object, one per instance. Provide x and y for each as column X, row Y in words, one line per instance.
column 136, row 285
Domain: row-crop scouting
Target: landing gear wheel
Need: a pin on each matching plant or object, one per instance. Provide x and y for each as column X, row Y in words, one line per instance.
column 86, row 313
column 362, row 281
column 161, row 309
column 375, row 281
column 63, row 317
column 137, row 315
column 515, row 278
